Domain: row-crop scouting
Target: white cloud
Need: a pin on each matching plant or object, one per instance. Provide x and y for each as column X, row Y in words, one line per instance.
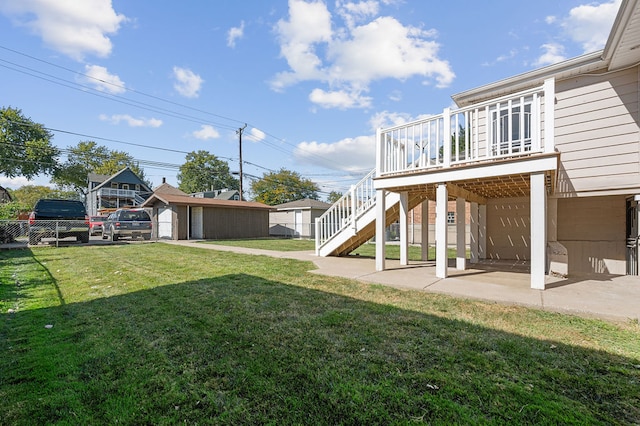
column 590, row 24
column 256, row 135
column 349, row 58
column 17, row 182
column 353, row 13
column 102, row 80
column 388, row 119
column 339, row 99
column 75, row 28
column 131, row 121
column 206, row 132
column 187, row 83
column 350, row 154
column 234, row 34
column 553, row 53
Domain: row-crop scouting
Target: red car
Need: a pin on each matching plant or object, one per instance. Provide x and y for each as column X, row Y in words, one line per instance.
column 95, row 224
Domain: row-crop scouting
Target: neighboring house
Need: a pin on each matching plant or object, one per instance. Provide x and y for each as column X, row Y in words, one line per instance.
column 5, row 197
column 108, row 193
column 548, row 165
column 221, row 194
column 297, row 218
column 182, row 217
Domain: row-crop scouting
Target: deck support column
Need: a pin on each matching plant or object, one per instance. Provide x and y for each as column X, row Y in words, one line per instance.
column 381, row 228
column 424, row 229
column 404, row 228
column 461, row 243
column 441, row 230
column 538, row 230
column 473, row 232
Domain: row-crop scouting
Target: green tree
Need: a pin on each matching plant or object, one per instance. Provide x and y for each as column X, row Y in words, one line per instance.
column 28, row 195
column 203, row 171
column 25, row 146
column 283, row 186
column 334, row 196
column 89, row 157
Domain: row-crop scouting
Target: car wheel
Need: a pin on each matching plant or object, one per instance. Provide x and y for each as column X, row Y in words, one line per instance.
column 33, row 240
column 147, row 236
column 84, row 237
column 114, row 237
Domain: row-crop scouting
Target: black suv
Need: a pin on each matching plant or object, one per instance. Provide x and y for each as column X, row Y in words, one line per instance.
column 58, row 219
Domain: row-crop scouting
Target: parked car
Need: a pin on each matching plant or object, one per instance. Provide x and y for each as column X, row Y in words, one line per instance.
column 95, row 224
column 127, row 223
column 58, row 218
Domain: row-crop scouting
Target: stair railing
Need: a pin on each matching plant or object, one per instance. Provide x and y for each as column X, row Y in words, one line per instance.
column 345, row 212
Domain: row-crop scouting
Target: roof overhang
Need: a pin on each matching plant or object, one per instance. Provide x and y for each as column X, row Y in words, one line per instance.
column 622, row 50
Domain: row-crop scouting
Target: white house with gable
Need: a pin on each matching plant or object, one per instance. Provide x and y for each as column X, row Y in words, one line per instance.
column 548, row 163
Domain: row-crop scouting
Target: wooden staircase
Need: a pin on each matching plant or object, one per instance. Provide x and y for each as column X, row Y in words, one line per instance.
column 351, row 221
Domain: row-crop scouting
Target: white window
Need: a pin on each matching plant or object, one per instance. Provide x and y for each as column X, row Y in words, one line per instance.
column 451, row 218
column 125, row 186
column 511, row 127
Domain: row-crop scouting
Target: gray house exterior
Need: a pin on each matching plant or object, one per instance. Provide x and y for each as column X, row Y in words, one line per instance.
column 121, row 190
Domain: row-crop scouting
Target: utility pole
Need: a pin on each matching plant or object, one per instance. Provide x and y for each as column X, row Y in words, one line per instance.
column 239, row 132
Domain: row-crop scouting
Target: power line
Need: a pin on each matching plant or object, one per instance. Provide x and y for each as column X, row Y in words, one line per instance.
column 142, row 105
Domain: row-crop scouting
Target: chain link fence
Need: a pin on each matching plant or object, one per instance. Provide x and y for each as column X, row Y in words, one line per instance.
column 34, row 232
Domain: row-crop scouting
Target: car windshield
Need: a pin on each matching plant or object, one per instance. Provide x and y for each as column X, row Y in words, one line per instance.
column 134, row 215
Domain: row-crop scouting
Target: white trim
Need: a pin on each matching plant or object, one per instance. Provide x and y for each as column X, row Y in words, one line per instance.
column 535, row 164
column 404, row 228
column 461, row 246
column 380, row 228
column 441, row 231
column 538, row 230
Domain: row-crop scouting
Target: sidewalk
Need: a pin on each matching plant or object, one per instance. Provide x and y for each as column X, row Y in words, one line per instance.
column 609, row 297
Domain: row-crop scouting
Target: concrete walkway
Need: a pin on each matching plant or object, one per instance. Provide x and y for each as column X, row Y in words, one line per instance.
column 608, row 297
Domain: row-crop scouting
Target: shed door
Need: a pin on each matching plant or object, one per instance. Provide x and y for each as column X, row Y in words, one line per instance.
column 298, row 223
column 165, row 215
column 196, row 223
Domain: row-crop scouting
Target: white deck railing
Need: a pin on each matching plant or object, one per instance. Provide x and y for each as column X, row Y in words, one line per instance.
column 345, row 212
column 501, row 128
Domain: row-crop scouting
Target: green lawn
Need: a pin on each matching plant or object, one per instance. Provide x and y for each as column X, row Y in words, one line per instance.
column 365, row 250
column 163, row 334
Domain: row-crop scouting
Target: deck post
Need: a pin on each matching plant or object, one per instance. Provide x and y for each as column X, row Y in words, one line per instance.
column 473, row 232
column 404, row 228
column 441, row 230
column 381, row 228
column 549, row 115
column 424, row 229
column 461, row 243
column 538, row 230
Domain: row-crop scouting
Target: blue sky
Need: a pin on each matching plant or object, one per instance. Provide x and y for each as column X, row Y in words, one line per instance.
column 311, row 79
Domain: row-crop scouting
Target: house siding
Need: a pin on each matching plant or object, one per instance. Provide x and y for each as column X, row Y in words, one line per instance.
column 597, row 133
column 593, row 231
column 509, row 229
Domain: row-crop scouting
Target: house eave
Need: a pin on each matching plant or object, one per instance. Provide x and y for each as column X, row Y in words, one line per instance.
column 588, row 63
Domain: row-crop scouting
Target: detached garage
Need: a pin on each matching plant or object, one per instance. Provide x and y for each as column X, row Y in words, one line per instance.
column 181, row 217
